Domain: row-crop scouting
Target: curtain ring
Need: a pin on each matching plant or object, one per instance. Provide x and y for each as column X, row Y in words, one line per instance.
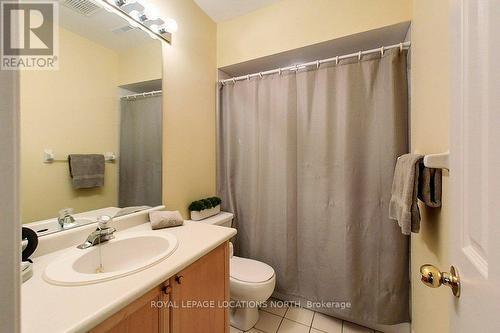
column 336, row 60
column 401, row 47
column 359, row 55
column 248, row 77
column 260, row 75
column 382, row 51
column 279, row 71
column 234, row 80
column 317, row 64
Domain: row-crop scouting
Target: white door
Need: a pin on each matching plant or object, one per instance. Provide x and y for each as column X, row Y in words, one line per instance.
column 475, row 164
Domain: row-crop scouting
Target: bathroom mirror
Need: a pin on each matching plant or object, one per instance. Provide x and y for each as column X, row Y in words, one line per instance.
column 104, row 99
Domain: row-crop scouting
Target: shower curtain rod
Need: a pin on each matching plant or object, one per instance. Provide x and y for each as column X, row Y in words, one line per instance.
column 317, row 63
column 144, row 94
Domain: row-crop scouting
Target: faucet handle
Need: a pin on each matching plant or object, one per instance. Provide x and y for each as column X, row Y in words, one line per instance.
column 65, row 212
column 103, row 221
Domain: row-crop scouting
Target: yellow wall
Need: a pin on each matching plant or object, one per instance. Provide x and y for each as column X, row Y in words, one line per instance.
column 430, row 130
column 72, row 110
column 189, row 70
column 289, row 24
column 142, row 63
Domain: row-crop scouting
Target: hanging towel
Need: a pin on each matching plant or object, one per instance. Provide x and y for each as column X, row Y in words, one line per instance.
column 86, row 170
column 403, row 204
column 430, row 186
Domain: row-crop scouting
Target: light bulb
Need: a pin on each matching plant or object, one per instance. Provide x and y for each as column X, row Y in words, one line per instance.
column 133, row 8
column 151, row 12
column 170, row 25
column 154, row 24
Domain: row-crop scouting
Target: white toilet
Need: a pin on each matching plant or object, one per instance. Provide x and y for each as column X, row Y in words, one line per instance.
column 251, row 282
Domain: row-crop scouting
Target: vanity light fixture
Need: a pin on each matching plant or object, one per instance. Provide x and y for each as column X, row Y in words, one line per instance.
column 142, row 17
column 154, row 24
column 134, row 9
column 171, row 25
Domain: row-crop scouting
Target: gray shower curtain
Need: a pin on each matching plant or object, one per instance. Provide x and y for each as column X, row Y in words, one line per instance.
column 140, row 152
column 305, row 162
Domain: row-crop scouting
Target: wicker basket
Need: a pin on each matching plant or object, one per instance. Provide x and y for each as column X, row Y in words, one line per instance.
column 203, row 214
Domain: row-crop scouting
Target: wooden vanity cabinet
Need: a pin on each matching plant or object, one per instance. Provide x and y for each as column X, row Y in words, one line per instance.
column 200, row 291
column 139, row 316
column 196, row 296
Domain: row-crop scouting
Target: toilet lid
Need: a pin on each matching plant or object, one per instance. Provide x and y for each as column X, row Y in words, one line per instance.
column 248, row 270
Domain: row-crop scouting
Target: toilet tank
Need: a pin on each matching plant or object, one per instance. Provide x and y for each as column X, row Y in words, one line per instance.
column 223, row 219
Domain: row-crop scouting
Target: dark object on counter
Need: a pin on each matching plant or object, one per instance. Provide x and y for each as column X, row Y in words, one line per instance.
column 32, row 239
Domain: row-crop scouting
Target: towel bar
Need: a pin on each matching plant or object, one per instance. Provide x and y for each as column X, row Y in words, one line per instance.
column 438, row 161
column 50, row 157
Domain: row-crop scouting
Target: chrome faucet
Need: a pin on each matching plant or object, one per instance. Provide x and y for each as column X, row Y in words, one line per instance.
column 65, row 219
column 103, row 233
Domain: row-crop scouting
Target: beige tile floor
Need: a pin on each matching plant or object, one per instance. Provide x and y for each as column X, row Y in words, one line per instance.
column 298, row 320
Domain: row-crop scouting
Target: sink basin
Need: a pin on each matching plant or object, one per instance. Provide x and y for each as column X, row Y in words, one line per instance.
column 121, row 256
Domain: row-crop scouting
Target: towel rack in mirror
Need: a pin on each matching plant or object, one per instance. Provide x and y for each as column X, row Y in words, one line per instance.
column 50, row 157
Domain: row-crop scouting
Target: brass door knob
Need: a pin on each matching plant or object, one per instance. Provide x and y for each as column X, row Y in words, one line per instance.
column 434, row 278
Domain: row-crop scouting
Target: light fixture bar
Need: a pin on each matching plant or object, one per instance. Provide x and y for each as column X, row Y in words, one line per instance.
column 112, row 7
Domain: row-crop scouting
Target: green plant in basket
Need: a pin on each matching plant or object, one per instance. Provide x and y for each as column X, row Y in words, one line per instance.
column 203, row 204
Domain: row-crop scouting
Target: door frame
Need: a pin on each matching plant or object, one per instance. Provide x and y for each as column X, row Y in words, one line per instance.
column 10, row 231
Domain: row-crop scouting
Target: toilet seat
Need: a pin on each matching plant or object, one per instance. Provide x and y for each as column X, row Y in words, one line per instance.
column 250, row 271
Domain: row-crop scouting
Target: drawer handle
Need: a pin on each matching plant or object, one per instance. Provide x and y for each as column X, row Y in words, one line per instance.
column 179, row 278
column 166, row 290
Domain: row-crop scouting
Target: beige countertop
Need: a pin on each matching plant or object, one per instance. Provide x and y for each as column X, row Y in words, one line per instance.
column 47, row 308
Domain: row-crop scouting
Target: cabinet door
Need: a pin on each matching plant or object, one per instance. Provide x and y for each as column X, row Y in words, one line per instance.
column 140, row 316
column 164, row 309
column 198, row 294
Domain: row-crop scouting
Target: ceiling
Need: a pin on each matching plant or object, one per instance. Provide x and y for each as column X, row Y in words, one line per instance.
column 223, row 10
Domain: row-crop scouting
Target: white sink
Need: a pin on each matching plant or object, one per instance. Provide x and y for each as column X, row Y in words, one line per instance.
column 121, row 256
